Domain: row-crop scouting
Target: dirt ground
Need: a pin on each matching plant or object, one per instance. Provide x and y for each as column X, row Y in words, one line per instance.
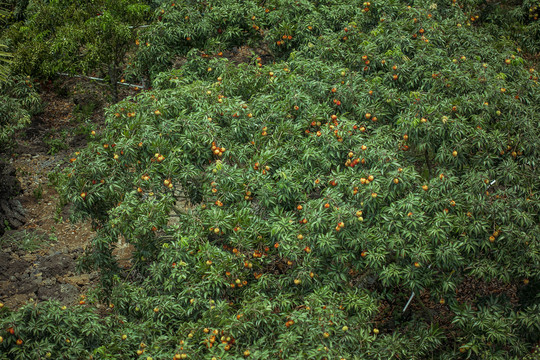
column 38, row 259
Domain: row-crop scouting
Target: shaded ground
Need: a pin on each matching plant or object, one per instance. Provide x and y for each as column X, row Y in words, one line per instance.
column 38, row 255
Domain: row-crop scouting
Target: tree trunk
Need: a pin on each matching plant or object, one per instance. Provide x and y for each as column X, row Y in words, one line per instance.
column 428, row 163
column 113, row 82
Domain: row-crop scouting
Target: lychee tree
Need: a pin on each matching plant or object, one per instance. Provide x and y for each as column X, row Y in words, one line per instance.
column 76, row 37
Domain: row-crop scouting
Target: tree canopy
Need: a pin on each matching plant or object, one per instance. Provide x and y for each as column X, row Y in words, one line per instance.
column 288, row 203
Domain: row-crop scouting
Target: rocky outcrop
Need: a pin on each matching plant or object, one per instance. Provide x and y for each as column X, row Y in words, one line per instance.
column 12, row 214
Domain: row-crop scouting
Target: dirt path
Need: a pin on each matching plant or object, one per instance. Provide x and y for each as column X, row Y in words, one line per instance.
column 38, row 259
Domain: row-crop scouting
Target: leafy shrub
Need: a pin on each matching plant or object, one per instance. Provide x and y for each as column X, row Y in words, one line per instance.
column 68, row 334
column 75, row 37
column 19, row 100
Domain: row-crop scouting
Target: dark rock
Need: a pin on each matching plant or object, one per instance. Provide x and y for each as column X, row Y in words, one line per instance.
column 11, row 211
column 56, row 264
column 9, row 186
column 65, row 293
column 27, row 287
column 10, row 267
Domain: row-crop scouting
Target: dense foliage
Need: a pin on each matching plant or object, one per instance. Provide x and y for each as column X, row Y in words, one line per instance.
column 19, row 100
column 287, row 209
column 78, row 37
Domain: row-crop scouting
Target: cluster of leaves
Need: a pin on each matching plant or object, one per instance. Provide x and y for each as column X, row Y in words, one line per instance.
column 54, row 330
column 277, row 27
column 280, row 27
column 75, row 37
column 288, row 210
column 516, row 21
column 19, row 100
column 5, row 60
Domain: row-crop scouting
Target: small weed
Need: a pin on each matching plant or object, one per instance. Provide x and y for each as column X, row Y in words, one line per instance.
column 58, row 218
column 24, row 240
column 55, row 177
column 52, row 235
column 56, row 180
column 84, row 128
column 56, row 143
column 38, row 193
column 83, row 112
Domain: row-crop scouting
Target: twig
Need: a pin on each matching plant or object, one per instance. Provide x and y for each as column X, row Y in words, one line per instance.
column 408, row 302
column 412, row 296
column 138, row 26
